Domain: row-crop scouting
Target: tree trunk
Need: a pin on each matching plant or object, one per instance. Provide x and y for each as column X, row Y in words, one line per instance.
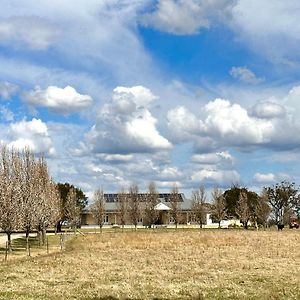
column 219, row 224
column 9, row 241
column 27, row 238
column 246, row 225
column 58, row 226
column 44, row 236
column 39, row 236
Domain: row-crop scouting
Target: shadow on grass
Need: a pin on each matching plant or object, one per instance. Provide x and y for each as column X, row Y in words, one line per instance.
column 19, row 244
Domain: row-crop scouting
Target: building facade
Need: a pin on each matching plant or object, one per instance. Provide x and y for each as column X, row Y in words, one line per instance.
column 112, row 216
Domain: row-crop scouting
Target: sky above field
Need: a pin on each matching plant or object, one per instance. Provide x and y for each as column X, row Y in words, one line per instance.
column 184, row 92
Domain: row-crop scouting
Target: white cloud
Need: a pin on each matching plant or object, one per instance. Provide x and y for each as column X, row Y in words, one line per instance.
column 32, row 31
column 7, row 89
column 268, row 110
column 126, row 126
column 215, row 176
column 183, row 17
column 33, row 134
column 98, row 48
column 227, row 124
column 139, row 95
column 271, row 28
column 117, row 158
column 223, row 157
column 59, row 100
column 264, row 178
column 245, row 75
column 181, row 118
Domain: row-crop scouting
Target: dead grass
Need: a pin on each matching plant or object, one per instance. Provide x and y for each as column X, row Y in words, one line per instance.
column 208, row 264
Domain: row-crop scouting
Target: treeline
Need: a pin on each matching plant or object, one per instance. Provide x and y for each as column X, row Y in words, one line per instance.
column 274, row 205
column 30, row 199
column 133, row 206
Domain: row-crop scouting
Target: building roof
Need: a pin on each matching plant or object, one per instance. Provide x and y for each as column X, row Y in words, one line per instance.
column 111, row 201
column 162, row 197
column 162, row 206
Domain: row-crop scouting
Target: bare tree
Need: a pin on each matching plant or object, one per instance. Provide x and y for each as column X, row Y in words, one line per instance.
column 98, row 208
column 262, row 210
column 122, row 201
column 175, row 205
column 151, row 201
column 28, row 190
column 72, row 210
column 219, row 205
column 242, row 209
column 134, row 205
column 47, row 198
column 198, row 205
column 10, row 192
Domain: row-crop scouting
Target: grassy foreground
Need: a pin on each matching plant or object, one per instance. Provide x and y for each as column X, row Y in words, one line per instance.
column 208, row 264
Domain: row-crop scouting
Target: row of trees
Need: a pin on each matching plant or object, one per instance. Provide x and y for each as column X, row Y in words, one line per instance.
column 133, row 206
column 29, row 198
column 277, row 203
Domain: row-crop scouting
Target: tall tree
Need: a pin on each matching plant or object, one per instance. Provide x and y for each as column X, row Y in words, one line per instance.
column 262, row 210
column 47, row 198
column 29, row 207
column 98, row 208
column 198, row 205
column 243, row 210
column 151, row 201
column 134, row 209
column 282, row 198
column 81, row 200
column 175, row 205
column 10, row 192
column 218, row 205
column 72, row 209
column 231, row 197
column 122, row 206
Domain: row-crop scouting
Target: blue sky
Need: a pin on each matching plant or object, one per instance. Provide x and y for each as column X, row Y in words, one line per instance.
column 184, row 92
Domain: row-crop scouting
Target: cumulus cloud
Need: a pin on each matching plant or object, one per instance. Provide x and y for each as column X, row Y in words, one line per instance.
column 187, row 16
column 268, row 110
column 125, row 125
column 179, row 118
column 33, row 134
column 59, row 100
column 245, row 75
column 7, row 89
column 34, row 32
column 223, row 157
column 216, row 176
column 229, row 124
column 264, row 178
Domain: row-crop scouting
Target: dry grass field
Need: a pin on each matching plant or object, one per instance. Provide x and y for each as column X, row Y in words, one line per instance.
column 186, row 264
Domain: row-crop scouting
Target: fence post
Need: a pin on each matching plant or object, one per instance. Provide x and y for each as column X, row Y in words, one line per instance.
column 6, row 250
column 60, row 241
